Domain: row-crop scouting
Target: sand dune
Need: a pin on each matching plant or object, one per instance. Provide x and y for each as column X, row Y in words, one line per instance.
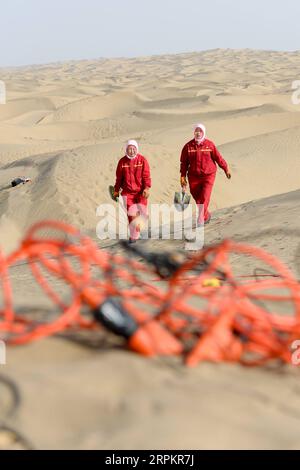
column 21, row 106
column 93, row 108
column 81, row 106
column 90, row 108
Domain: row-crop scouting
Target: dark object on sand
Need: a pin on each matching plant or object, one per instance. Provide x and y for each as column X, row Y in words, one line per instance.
column 111, row 190
column 181, row 200
column 18, row 181
column 114, row 317
column 166, row 264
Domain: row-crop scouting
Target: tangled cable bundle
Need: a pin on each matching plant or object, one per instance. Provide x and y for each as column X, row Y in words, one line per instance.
column 183, row 315
column 234, row 324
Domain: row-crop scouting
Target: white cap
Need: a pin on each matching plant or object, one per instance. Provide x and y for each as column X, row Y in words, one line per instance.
column 202, row 127
column 134, row 143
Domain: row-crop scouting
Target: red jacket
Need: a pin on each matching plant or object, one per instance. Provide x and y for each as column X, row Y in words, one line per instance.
column 133, row 175
column 201, row 160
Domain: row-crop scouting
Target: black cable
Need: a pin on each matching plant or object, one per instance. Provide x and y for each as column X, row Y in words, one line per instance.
column 9, row 413
column 13, row 390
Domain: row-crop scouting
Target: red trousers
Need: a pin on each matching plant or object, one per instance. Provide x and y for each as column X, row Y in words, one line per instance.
column 136, row 206
column 201, row 188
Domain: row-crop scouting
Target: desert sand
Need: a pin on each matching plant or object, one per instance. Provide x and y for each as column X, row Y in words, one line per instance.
column 64, row 125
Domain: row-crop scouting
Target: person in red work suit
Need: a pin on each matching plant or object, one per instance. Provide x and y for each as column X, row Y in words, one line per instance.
column 199, row 159
column 133, row 178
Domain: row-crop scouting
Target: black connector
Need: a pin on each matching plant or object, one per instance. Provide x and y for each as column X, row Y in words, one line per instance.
column 165, row 264
column 18, row 181
column 114, row 317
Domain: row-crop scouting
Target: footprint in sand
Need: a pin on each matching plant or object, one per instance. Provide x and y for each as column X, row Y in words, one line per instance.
column 65, row 199
column 72, row 166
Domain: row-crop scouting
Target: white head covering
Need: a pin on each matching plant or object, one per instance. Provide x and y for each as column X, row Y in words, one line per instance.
column 201, row 126
column 135, row 144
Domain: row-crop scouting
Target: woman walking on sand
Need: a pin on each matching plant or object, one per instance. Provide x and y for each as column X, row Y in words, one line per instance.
column 198, row 163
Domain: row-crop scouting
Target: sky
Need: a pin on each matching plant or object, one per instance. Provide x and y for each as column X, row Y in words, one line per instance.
column 43, row 31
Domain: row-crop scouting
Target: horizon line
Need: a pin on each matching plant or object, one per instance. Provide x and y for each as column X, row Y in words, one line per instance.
column 103, row 58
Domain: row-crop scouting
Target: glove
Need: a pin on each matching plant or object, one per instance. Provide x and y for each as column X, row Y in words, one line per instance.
column 146, row 193
column 183, row 181
column 228, row 174
column 113, row 194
